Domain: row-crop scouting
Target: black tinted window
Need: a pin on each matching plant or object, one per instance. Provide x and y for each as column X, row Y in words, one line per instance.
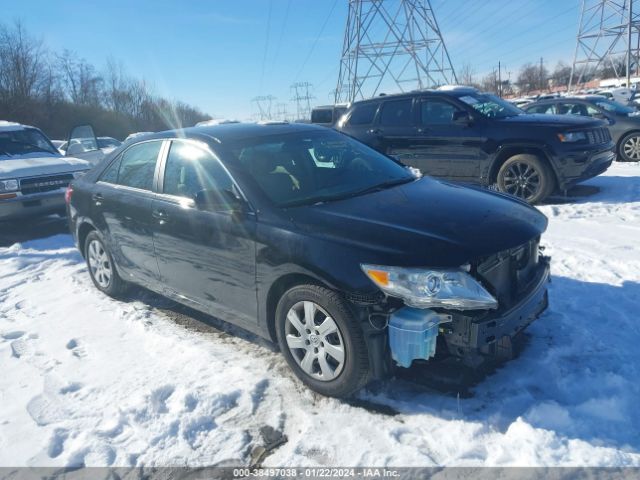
column 322, row 116
column 110, row 175
column 548, row 109
column 396, row 113
column 191, row 169
column 138, row 165
column 437, row 112
column 363, row 114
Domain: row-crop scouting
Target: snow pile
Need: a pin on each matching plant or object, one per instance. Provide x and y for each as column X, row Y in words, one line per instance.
column 87, row 380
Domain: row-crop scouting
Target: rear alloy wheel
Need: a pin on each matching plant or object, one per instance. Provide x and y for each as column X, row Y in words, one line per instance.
column 526, row 177
column 630, row 148
column 321, row 341
column 101, row 267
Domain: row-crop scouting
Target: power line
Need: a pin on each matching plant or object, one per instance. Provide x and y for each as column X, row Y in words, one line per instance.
column 266, row 43
column 315, row 42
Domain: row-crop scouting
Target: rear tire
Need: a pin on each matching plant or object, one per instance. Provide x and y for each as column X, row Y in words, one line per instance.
column 527, row 177
column 322, row 341
column 629, row 150
column 102, row 269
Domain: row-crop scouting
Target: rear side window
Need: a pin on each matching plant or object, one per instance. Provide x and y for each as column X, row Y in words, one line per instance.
column 363, row 114
column 135, row 167
column 396, row 113
column 191, row 169
column 322, row 116
column 548, row 109
column 437, row 112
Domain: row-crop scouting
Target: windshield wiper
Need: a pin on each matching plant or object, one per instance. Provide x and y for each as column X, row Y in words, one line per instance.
column 342, row 196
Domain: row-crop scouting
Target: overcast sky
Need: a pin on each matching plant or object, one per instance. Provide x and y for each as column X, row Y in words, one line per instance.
column 218, row 55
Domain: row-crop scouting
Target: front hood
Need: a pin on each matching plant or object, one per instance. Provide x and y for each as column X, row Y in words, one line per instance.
column 26, row 166
column 542, row 119
column 424, row 223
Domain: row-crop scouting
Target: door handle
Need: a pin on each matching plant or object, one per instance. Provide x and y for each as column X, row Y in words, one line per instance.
column 374, row 131
column 160, row 215
column 422, row 130
column 97, row 198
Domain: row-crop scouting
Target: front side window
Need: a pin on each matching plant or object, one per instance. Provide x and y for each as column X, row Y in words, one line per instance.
column 396, row 113
column 437, row 112
column 309, row 167
column 135, row 167
column 363, row 114
column 191, row 169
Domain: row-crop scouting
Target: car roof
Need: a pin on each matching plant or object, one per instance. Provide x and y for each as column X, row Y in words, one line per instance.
column 584, row 98
column 6, row 126
column 231, row 132
column 457, row 91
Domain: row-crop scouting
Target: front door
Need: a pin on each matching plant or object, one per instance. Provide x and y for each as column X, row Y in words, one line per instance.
column 82, row 143
column 205, row 255
column 443, row 147
column 121, row 203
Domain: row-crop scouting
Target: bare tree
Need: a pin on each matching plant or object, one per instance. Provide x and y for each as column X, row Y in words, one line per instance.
column 532, row 77
column 83, row 84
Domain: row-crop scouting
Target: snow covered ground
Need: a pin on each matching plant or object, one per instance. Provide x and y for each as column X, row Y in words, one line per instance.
column 88, row 380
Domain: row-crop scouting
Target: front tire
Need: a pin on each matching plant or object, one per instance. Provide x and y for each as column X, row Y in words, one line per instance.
column 629, row 150
column 527, row 177
column 102, row 269
column 322, row 341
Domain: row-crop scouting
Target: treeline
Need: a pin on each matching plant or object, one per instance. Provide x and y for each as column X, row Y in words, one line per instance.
column 536, row 77
column 58, row 90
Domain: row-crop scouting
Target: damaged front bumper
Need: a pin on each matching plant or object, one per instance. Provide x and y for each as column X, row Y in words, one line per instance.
column 474, row 338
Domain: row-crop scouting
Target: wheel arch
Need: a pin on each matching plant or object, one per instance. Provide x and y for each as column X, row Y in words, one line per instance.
column 277, row 289
column 508, row 151
column 84, row 229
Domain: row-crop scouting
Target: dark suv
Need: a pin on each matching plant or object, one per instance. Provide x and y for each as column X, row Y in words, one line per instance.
column 464, row 135
column 312, row 239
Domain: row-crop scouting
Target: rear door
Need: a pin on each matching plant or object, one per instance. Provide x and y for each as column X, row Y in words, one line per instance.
column 205, row 255
column 361, row 124
column 121, row 205
column 396, row 129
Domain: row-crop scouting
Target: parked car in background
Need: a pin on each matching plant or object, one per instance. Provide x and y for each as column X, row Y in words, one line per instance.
column 33, row 173
column 311, row 239
column 135, row 135
column 623, row 122
column 108, row 144
column 465, row 135
column 328, row 115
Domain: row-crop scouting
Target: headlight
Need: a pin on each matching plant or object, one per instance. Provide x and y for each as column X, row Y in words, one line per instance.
column 453, row 289
column 571, row 137
column 8, row 186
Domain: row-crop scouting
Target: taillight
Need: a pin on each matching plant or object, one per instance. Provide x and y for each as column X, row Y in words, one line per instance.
column 67, row 194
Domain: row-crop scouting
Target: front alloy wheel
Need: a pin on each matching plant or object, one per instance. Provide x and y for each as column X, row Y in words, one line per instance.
column 314, row 341
column 527, row 177
column 631, row 148
column 321, row 339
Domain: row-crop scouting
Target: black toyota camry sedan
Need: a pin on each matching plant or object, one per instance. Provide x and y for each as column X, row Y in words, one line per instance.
column 351, row 263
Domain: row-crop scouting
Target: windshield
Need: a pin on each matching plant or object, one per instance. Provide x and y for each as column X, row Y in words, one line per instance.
column 615, row 107
column 22, row 142
column 491, row 106
column 310, row 167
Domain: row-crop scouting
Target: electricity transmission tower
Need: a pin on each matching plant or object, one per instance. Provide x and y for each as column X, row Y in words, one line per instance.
column 608, row 37
column 281, row 112
column 395, row 44
column 302, row 97
column 264, row 104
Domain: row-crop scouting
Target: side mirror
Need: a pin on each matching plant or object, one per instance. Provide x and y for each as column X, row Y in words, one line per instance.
column 219, row 201
column 462, row 118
